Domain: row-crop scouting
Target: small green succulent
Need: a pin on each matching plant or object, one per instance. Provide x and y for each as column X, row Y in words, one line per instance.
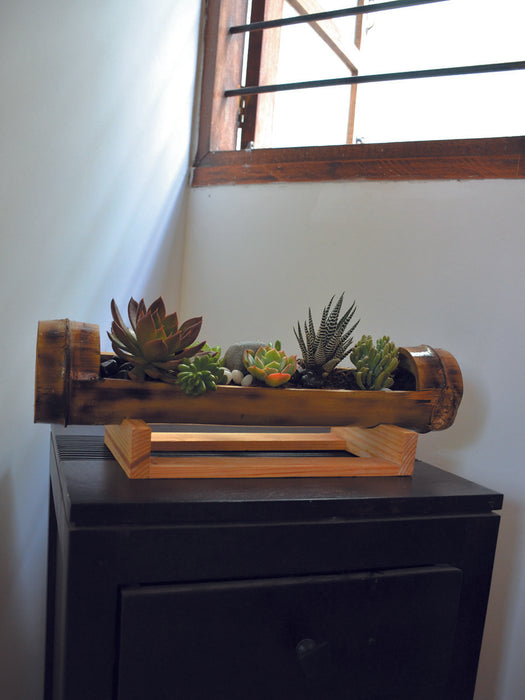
column 374, row 364
column 324, row 349
column 214, row 352
column 200, row 373
column 270, row 364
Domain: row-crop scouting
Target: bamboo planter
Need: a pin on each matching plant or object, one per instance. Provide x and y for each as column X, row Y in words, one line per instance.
column 69, row 390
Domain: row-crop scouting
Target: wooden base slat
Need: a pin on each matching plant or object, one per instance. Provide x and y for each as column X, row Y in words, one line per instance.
column 386, row 450
column 237, row 467
column 245, row 442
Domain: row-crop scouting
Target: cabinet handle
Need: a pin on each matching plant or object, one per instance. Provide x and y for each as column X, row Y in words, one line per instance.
column 315, row 659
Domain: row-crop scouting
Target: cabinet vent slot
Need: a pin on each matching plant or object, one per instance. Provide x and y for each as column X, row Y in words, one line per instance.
column 82, row 447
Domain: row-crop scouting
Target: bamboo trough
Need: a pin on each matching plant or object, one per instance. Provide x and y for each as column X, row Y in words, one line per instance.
column 380, row 428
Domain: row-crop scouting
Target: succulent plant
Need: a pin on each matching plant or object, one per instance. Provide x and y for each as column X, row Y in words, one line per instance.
column 322, row 350
column 270, row 364
column 201, row 373
column 374, row 364
column 155, row 344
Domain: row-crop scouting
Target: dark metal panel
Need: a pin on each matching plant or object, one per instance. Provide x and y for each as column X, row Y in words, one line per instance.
column 97, row 492
column 109, row 536
column 367, row 635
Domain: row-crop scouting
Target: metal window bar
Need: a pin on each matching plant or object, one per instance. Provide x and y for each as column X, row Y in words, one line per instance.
column 329, row 14
column 379, row 77
column 359, row 79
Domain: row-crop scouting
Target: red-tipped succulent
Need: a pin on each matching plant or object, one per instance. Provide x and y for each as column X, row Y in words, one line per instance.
column 155, row 344
column 270, row 364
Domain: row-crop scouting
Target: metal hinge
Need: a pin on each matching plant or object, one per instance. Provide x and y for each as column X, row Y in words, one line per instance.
column 241, row 112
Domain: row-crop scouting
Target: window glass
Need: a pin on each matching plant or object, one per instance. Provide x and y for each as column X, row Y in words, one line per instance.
column 314, row 116
column 453, row 33
column 441, row 34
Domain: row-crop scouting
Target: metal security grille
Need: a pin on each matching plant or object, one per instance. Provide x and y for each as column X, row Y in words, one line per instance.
column 329, row 14
column 358, row 79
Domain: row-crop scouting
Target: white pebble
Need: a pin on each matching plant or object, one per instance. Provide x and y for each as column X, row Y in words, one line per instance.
column 227, row 375
column 247, row 380
column 237, row 376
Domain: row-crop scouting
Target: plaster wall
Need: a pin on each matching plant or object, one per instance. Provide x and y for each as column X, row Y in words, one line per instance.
column 96, row 107
column 428, row 262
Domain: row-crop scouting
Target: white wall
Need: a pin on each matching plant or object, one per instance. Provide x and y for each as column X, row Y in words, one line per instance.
column 96, row 107
column 438, row 263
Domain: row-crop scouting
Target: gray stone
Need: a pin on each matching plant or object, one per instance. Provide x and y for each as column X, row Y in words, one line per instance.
column 233, row 356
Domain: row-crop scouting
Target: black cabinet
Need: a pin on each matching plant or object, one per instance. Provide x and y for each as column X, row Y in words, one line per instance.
column 267, row 589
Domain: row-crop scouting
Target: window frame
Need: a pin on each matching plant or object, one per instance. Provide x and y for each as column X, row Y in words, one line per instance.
column 218, row 163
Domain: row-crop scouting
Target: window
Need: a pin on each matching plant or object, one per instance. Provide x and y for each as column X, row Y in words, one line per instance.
column 254, row 138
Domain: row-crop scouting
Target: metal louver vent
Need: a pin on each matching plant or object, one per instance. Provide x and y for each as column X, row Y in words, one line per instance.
column 82, row 447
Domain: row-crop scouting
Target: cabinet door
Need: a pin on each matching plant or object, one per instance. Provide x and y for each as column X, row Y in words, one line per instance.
column 359, row 636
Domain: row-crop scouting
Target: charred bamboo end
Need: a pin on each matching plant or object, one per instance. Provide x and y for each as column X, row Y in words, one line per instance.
column 65, row 350
column 435, row 368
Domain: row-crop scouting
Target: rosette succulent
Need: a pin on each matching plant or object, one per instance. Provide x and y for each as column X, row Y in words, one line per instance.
column 270, row 364
column 155, row 344
column 322, row 350
column 201, row 373
column 374, row 364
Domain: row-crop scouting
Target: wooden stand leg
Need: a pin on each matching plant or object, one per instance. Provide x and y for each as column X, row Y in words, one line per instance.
column 130, row 444
column 386, row 450
column 387, row 443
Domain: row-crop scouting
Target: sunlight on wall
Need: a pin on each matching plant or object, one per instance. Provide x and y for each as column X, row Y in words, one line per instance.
column 97, row 103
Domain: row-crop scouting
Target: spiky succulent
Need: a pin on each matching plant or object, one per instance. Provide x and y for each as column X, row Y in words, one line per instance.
column 201, row 373
column 155, row 344
column 270, row 364
column 374, row 364
column 322, row 350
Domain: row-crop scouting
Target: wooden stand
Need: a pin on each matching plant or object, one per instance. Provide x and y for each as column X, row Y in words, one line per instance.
column 386, row 450
column 380, row 427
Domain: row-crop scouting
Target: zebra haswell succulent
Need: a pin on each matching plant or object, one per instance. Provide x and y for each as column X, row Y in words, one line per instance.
column 270, row 364
column 322, row 350
column 155, row 344
column 374, row 365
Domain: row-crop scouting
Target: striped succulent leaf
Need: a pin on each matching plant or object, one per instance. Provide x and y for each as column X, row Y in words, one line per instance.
column 324, row 349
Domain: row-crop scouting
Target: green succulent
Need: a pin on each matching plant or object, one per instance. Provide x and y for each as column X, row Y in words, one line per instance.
column 201, row 373
column 214, row 351
column 374, row 364
column 155, row 344
column 270, row 364
column 325, row 348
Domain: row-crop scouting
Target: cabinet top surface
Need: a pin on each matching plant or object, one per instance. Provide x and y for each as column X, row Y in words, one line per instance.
column 96, row 492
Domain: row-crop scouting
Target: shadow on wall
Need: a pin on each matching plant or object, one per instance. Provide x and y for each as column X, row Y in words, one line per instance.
column 12, row 646
column 445, row 448
column 505, row 578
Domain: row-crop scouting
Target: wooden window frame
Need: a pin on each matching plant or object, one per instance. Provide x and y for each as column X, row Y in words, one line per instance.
column 218, row 163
